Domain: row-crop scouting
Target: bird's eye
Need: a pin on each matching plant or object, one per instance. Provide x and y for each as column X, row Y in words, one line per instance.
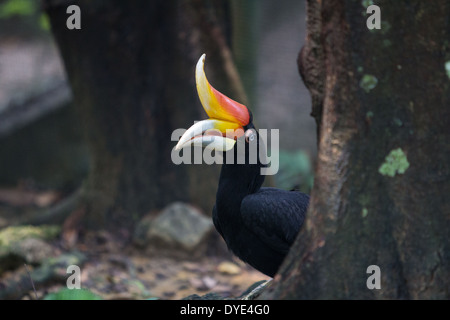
column 250, row 135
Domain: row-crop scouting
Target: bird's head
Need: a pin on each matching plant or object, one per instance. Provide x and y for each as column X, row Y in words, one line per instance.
column 228, row 119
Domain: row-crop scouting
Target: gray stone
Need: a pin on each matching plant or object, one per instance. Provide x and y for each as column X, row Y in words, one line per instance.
column 178, row 226
column 25, row 244
column 32, row 250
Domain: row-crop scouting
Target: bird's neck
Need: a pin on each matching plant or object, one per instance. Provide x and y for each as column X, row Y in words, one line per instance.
column 236, row 182
column 239, row 177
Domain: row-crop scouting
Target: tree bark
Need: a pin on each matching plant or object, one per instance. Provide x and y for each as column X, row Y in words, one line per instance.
column 131, row 68
column 379, row 93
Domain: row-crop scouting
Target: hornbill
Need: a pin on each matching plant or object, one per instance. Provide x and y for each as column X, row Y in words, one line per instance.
column 258, row 224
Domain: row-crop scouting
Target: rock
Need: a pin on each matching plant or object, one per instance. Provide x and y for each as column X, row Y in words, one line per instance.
column 25, row 244
column 32, row 251
column 178, row 227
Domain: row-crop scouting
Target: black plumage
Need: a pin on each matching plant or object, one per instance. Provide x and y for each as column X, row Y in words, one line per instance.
column 258, row 224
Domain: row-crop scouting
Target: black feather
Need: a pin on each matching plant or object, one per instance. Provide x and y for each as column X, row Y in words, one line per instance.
column 258, row 224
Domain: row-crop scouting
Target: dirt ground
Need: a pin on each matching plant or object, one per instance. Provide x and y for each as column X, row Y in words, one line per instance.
column 116, row 270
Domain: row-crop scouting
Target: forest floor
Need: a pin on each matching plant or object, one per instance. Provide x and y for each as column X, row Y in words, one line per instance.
column 113, row 267
column 115, row 270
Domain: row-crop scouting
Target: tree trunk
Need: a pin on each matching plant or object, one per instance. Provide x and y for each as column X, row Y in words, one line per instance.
column 131, row 68
column 376, row 93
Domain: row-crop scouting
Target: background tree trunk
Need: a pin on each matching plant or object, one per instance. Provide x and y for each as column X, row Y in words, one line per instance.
column 374, row 92
column 131, row 68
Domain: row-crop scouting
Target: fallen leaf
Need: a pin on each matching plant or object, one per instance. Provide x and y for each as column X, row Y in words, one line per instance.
column 228, row 268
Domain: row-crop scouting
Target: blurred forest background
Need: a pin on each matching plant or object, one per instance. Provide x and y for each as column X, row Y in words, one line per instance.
column 128, row 231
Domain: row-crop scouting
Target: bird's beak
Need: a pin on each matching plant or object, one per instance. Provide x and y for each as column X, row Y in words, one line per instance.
column 226, row 117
